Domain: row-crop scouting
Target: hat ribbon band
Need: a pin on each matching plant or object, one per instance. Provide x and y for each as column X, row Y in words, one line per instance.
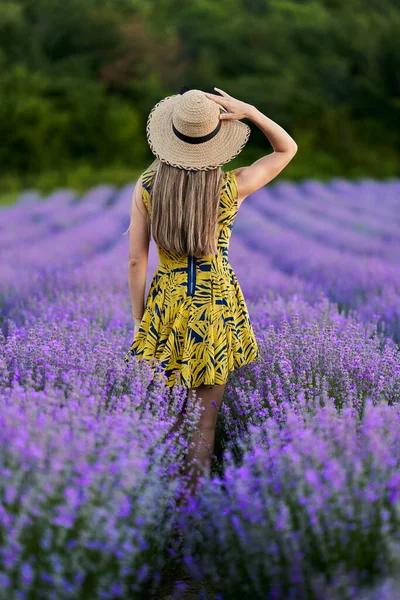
column 196, row 140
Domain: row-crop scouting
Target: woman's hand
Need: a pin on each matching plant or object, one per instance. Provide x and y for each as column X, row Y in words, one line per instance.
column 236, row 108
column 136, row 325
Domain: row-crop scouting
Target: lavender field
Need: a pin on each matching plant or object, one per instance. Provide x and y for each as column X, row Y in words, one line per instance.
column 304, row 498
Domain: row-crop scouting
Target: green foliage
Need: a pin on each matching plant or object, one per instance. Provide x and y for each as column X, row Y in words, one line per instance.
column 80, row 177
column 78, row 79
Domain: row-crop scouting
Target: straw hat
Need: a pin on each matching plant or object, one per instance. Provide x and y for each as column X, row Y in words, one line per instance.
column 185, row 131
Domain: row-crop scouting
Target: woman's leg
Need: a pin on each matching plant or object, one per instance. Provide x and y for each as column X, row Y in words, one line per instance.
column 203, row 439
column 181, row 415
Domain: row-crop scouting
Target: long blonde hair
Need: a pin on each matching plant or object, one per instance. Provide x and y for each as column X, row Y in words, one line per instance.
column 184, row 209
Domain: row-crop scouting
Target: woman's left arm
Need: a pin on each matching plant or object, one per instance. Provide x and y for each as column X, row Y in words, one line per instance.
column 138, row 254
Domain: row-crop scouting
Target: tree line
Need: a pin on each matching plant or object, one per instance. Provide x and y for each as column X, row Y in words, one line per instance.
column 78, row 79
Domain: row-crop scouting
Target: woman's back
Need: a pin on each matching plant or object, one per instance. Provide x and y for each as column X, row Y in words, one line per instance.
column 228, row 208
column 196, row 320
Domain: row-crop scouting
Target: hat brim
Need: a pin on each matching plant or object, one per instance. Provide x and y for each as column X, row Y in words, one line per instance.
column 165, row 145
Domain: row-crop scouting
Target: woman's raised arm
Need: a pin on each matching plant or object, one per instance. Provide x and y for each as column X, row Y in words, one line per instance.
column 262, row 171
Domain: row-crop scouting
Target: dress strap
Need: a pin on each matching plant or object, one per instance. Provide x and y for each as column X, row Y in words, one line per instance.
column 146, row 186
column 229, row 194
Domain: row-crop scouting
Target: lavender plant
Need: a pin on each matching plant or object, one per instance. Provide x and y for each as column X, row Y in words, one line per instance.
column 303, row 499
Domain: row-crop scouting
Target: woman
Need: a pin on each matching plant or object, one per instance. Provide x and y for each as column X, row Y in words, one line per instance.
column 195, row 320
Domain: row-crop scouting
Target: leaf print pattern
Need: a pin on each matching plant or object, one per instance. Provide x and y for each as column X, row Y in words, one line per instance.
column 198, row 338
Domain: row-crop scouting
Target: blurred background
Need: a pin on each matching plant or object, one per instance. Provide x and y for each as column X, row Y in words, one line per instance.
column 78, row 80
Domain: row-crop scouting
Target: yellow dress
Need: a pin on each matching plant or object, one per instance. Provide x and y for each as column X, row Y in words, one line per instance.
column 196, row 321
